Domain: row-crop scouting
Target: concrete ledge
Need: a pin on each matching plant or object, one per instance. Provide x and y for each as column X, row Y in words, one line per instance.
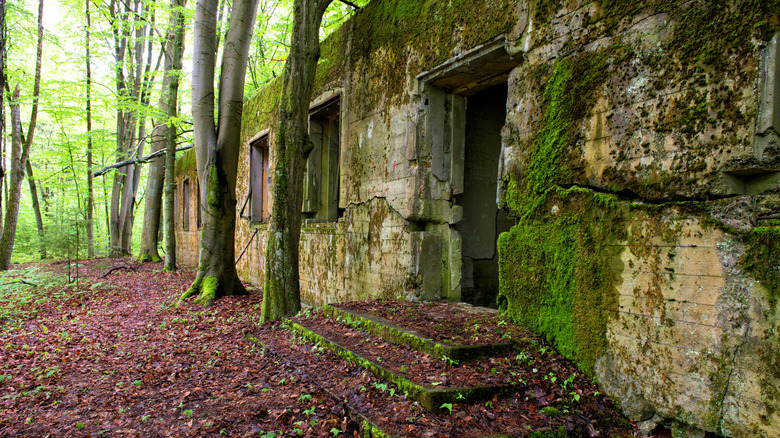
column 386, row 329
column 367, row 428
column 431, row 398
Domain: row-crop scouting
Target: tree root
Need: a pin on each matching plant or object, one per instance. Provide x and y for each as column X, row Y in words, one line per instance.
column 205, row 288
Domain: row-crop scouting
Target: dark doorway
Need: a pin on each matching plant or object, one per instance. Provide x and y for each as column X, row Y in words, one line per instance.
column 482, row 220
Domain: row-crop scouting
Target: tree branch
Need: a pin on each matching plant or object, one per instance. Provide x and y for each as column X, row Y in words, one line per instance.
column 349, row 3
column 145, row 159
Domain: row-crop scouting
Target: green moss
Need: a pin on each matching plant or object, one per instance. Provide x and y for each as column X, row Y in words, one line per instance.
column 208, row 291
column 146, row 257
column 401, row 337
column 556, row 270
column 551, row 411
column 185, row 163
column 192, row 291
column 555, row 157
column 762, row 259
column 429, row 397
column 559, row 433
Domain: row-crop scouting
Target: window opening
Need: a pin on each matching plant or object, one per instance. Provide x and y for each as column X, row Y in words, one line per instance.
column 185, row 202
column 321, row 182
column 197, row 197
column 259, row 180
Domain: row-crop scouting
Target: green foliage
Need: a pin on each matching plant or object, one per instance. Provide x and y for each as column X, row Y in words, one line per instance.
column 24, row 286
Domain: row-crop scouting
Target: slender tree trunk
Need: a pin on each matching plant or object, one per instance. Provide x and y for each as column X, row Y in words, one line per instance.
column 20, row 152
column 36, row 209
column 17, row 173
column 2, row 106
column 90, row 176
column 132, row 90
column 153, row 201
column 157, row 169
column 217, row 154
column 281, row 294
column 172, row 76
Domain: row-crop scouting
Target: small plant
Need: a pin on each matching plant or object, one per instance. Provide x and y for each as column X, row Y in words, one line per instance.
column 380, row 386
column 501, row 323
column 334, row 431
column 460, row 396
column 447, row 406
column 309, row 412
column 188, row 413
column 523, row 356
column 568, row 381
column 403, row 369
column 450, row 360
column 304, row 397
column 575, row 397
column 489, row 404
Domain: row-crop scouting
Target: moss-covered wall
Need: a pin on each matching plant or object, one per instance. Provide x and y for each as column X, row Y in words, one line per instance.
column 626, row 127
column 187, row 242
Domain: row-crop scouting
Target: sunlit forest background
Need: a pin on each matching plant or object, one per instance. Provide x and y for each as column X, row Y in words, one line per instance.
column 58, row 154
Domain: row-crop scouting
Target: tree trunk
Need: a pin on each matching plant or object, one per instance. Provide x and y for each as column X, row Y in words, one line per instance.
column 17, row 172
column 36, row 209
column 281, row 294
column 20, row 151
column 90, row 177
column 177, row 50
column 217, row 155
column 132, row 90
column 2, row 106
column 154, row 191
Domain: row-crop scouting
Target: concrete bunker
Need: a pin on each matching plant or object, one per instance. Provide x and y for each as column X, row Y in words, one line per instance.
column 465, row 101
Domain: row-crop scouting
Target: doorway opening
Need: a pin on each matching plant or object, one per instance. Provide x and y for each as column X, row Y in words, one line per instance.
column 482, row 220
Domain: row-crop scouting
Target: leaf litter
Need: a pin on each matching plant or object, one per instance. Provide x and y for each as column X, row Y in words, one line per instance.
column 115, row 356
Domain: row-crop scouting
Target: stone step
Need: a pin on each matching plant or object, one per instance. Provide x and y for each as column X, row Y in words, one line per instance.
column 368, row 429
column 433, row 398
column 401, row 336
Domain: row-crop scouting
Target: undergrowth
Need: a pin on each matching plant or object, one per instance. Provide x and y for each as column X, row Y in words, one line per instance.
column 22, row 288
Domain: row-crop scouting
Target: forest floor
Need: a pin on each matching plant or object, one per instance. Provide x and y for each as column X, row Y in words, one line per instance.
column 115, row 356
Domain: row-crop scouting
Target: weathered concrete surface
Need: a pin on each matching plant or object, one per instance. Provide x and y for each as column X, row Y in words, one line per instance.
column 655, row 103
column 683, row 344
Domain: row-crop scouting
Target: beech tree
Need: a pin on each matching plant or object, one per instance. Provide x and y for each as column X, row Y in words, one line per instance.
column 20, row 152
column 164, row 137
column 90, row 215
column 217, row 146
column 132, row 24
column 281, row 294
